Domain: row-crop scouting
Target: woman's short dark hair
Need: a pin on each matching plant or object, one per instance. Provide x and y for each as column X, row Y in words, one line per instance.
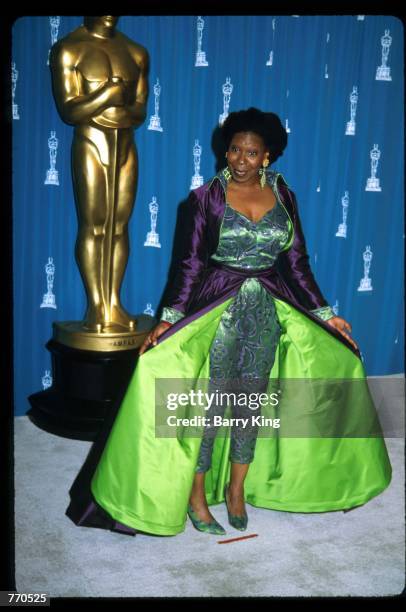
column 267, row 125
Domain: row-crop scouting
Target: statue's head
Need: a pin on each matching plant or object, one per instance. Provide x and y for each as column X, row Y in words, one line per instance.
column 105, row 23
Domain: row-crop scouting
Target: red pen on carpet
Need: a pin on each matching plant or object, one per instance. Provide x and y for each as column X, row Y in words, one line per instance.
column 254, row 535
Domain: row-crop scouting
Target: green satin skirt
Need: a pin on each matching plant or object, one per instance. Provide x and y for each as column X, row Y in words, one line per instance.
column 144, row 481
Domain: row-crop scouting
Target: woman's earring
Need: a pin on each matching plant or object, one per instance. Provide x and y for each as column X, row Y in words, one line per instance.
column 227, row 174
column 262, row 179
column 262, row 172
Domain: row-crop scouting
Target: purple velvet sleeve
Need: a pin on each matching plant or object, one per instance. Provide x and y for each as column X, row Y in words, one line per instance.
column 295, row 269
column 193, row 255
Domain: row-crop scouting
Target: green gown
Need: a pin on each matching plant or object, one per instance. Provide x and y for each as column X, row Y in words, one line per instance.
column 143, row 479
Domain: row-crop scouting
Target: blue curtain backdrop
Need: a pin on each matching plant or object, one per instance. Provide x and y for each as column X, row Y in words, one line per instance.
column 302, row 68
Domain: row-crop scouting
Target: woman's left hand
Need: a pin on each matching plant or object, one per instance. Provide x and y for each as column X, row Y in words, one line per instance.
column 341, row 325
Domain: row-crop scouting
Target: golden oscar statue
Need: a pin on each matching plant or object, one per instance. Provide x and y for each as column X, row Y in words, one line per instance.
column 100, row 85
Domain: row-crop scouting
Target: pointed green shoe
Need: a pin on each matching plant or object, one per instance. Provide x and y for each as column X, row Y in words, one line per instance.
column 212, row 527
column 238, row 522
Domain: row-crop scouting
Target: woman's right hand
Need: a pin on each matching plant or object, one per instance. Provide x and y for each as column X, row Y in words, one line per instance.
column 154, row 334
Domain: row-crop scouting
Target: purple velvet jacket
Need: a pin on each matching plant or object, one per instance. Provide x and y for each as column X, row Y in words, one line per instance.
column 201, row 283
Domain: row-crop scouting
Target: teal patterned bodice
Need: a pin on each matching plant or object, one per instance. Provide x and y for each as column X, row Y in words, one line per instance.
column 247, row 244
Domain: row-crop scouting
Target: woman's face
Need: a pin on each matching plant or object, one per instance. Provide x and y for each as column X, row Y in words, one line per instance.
column 245, row 155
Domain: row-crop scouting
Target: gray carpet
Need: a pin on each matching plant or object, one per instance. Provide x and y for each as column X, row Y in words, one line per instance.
column 326, row 554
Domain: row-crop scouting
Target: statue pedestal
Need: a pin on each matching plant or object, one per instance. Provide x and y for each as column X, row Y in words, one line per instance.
column 86, row 394
column 88, row 386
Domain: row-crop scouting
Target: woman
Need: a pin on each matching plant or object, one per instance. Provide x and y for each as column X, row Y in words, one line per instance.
column 243, row 306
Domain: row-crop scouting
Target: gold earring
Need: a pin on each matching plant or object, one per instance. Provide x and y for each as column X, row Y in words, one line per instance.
column 262, row 172
column 227, row 174
column 262, row 179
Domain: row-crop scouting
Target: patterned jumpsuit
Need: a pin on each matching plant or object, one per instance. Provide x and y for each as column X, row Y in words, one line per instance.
column 243, row 350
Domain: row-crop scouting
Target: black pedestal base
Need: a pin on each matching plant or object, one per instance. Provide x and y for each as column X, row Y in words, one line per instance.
column 87, row 387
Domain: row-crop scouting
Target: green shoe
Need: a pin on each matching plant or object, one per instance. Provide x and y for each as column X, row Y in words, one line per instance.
column 238, row 522
column 212, row 527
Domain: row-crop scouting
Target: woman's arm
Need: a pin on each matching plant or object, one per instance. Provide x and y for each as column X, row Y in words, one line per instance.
column 171, row 315
column 295, row 269
column 190, row 262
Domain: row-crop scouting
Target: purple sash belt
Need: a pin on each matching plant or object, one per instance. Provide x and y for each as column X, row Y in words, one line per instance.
column 246, row 273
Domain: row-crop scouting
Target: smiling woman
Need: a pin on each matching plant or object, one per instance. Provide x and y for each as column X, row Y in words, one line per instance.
column 253, row 139
column 246, row 156
column 243, row 312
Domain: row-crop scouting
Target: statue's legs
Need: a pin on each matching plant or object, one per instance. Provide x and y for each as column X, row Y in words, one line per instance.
column 105, row 171
column 91, row 194
column 127, row 176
